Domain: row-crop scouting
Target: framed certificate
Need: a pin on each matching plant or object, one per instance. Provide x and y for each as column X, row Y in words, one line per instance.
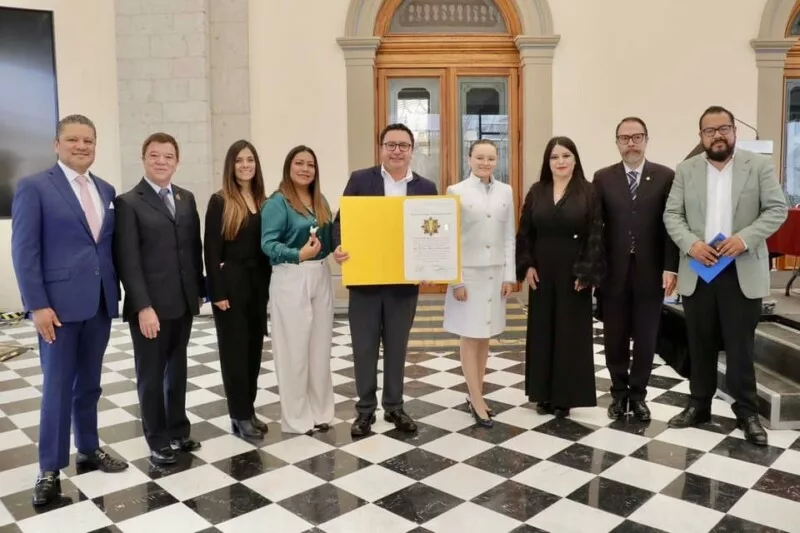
column 394, row 240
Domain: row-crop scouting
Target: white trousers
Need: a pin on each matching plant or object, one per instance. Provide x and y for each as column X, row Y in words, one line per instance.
column 301, row 311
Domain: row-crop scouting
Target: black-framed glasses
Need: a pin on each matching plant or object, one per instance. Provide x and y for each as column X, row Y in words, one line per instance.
column 404, row 147
column 637, row 138
column 724, row 130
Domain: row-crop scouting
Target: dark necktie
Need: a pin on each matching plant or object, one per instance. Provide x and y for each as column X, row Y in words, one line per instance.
column 164, row 194
column 633, row 185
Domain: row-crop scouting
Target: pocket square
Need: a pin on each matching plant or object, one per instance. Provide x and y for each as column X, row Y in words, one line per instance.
column 111, row 205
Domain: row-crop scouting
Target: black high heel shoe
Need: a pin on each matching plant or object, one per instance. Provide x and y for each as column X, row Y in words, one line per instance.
column 246, row 430
column 485, row 422
column 489, row 411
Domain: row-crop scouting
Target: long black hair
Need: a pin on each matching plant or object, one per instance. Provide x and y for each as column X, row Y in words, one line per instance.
column 546, row 174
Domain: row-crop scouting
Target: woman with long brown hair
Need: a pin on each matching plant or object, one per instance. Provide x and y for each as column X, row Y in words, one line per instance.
column 296, row 234
column 238, row 275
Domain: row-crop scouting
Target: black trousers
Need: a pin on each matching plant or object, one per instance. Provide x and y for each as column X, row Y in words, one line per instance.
column 633, row 314
column 161, row 380
column 240, row 339
column 380, row 315
column 719, row 310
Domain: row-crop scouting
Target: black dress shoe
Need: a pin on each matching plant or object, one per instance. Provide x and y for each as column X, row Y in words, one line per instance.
column 164, row 456
column 691, row 416
column 561, row 412
column 618, row 408
column 100, row 460
column 753, row 430
column 544, row 408
column 185, row 445
column 401, row 420
column 362, row 425
column 47, row 488
column 322, row 427
column 246, row 430
column 640, row 410
column 259, row 424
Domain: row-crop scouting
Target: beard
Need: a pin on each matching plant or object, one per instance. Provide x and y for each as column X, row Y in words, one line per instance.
column 719, row 155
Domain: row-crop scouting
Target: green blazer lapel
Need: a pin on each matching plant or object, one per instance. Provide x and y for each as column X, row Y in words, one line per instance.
column 700, row 182
column 741, row 172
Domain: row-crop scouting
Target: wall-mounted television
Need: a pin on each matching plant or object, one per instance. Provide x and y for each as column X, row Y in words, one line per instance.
column 28, row 97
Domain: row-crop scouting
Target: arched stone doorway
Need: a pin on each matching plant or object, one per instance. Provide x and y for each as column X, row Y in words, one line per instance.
column 531, row 27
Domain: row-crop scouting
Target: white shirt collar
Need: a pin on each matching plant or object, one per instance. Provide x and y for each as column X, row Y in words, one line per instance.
column 477, row 180
column 69, row 173
column 638, row 169
column 385, row 173
column 157, row 188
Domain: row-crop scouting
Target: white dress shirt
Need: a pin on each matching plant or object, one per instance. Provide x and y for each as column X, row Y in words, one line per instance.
column 157, row 188
column 392, row 187
column 76, row 188
column 487, row 224
column 719, row 201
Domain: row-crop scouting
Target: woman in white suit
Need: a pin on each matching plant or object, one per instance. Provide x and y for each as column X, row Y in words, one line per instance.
column 476, row 309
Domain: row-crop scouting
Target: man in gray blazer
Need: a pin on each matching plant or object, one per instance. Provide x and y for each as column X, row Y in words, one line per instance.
column 735, row 193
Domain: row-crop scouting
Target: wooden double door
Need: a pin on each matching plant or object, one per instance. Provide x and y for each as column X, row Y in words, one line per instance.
column 448, row 109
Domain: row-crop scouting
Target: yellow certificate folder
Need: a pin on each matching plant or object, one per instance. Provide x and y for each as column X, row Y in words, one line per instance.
column 373, row 234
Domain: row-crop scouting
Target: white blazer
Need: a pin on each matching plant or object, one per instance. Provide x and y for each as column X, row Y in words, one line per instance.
column 488, row 230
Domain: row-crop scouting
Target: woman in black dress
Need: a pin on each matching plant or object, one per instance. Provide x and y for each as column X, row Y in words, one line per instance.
column 560, row 254
column 239, row 275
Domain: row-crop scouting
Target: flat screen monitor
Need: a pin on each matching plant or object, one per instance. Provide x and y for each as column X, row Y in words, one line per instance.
column 28, row 97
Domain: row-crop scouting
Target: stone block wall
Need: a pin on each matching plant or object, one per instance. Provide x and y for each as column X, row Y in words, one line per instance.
column 182, row 68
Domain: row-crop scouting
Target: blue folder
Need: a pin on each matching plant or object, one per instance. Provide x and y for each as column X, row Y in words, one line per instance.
column 708, row 273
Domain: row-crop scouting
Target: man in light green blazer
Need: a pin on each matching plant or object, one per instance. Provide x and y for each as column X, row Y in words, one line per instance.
column 732, row 192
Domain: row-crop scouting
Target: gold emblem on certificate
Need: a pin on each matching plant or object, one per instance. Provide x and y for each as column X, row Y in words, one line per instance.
column 430, row 226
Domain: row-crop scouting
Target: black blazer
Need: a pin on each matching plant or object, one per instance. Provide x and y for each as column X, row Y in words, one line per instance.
column 643, row 218
column 240, row 257
column 369, row 182
column 159, row 259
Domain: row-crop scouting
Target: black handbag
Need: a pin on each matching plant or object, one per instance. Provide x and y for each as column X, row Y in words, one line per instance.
column 672, row 343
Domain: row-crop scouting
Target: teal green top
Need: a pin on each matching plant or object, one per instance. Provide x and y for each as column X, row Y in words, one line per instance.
column 284, row 231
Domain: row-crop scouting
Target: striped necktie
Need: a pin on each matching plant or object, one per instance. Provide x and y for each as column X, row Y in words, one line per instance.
column 633, row 184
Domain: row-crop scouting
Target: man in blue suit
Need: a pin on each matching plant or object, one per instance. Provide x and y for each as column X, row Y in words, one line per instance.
column 62, row 224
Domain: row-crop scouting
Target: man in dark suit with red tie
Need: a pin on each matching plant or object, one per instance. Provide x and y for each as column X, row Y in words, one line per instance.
column 62, row 224
column 158, row 250
column 642, row 265
column 382, row 314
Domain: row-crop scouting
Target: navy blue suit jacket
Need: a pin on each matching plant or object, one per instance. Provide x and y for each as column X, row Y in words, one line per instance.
column 369, row 182
column 56, row 260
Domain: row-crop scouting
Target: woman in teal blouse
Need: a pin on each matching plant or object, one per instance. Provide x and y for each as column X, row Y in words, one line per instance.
column 296, row 231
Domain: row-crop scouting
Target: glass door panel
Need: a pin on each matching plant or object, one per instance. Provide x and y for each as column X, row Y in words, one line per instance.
column 483, row 113
column 791, row 149
column 416, row 102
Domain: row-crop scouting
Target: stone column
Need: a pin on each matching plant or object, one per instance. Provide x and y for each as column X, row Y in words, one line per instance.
column 771, row 114
column 230, row 79
column 536, row 55
column 359, row 58
column 163, row 84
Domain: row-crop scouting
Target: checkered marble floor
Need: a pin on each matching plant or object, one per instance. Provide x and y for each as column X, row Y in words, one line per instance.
column 530, row 473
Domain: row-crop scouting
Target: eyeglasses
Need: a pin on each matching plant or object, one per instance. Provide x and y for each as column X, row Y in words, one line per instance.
column 637, row 138
column 724, row 130
column 404, row 147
